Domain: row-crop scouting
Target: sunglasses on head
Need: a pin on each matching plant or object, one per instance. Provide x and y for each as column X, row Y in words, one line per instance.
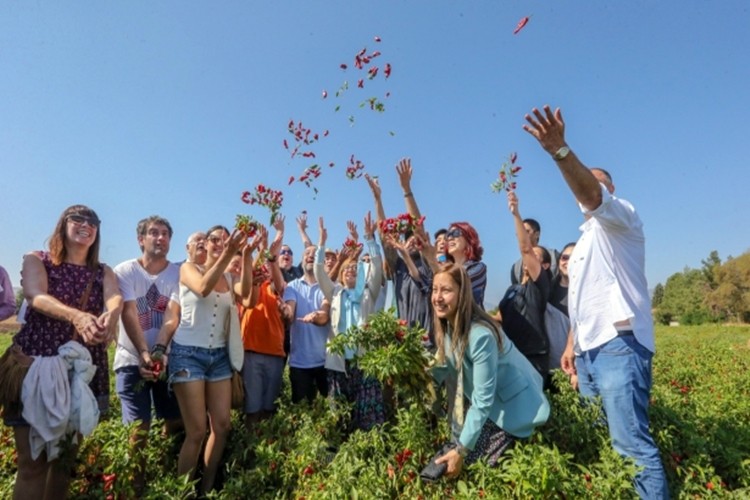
column 80, row 219
column 454, row 233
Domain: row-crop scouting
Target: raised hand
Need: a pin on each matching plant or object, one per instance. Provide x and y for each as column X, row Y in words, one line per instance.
column 235, row 242
column 547, row 128
column 370, row 226
column 404, row 174
column 302, row 222
column 352, row 227
column 278, row 223
column 513, row 203
column 374, row 186
column 323, row 234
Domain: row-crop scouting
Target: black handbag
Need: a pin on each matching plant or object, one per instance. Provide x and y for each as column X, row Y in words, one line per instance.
column 432, row 471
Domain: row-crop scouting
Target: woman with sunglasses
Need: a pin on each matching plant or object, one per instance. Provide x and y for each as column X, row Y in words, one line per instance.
column 462, row 246
column 200, row 371
column 498, row 395
column 71, row 296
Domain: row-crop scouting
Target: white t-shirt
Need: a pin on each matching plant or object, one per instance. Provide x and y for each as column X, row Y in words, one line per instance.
column 152, row 294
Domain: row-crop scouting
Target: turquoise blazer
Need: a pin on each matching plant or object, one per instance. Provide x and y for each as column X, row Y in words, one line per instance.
column 501, row 384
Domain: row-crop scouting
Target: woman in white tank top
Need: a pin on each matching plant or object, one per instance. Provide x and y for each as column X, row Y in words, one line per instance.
column 199, row 368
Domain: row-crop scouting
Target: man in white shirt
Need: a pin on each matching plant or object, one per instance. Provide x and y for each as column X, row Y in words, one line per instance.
column 149, row 285
column 611, row 342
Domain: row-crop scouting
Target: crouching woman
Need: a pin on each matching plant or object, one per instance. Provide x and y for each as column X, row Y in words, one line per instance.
column 499, row 395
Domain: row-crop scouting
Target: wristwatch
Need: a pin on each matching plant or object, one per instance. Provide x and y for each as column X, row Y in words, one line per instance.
column 561, row 153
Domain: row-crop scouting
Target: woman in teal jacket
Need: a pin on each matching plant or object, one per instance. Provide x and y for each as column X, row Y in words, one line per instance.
column 499, row 394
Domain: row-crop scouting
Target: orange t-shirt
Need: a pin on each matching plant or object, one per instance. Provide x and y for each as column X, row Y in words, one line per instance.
column 262, row 328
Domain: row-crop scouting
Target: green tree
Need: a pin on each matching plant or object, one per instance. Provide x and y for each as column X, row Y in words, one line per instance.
column 731, row 296
column 710, row 266
column 658, row 296
column 683, row 299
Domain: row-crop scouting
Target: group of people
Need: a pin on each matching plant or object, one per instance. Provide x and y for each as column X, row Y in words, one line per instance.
column 584, row 309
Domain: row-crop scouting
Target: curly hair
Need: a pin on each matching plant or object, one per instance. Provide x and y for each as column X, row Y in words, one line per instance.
column 474, row 247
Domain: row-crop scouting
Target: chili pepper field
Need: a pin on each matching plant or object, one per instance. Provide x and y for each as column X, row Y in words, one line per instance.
column 700, row 418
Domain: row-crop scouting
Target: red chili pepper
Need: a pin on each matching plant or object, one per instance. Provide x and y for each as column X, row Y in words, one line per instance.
column 286, row 144
column 246, row 197
column 325, row 94
column 513, row 157
column 387, row 70
column 291, row 179
column 361, row 83
column 377, row 39
column 521, row 24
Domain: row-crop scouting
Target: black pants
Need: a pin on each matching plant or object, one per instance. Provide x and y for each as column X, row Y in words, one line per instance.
column 308, row 383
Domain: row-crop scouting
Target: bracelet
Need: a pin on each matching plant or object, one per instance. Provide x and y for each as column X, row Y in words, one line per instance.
column 158, row 350
column 406, row 195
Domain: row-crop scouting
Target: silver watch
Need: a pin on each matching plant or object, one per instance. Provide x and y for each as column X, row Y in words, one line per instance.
column 561, row 153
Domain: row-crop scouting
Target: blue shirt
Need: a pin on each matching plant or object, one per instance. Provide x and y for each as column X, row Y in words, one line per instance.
column 308, row 341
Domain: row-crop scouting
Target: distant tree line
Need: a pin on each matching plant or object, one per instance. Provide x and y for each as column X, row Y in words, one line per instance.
column 717, row 292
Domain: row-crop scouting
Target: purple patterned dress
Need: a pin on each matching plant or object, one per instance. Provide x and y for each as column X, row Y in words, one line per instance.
column 41, row 335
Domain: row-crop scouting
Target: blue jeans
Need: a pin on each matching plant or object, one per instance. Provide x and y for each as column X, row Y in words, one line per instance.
column 620, row 372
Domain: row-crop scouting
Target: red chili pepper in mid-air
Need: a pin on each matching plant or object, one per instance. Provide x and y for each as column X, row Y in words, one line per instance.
column 521, row 24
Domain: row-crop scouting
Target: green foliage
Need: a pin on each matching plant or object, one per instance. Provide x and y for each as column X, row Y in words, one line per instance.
column 683, row 299
column 731, row 296
column 716, row 292
column 390, row 351
column 700, row 403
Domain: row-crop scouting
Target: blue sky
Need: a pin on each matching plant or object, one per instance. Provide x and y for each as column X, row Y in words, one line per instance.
column 174, row 108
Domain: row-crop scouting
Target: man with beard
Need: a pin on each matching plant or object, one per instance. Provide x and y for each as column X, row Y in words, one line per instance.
column 149, row 285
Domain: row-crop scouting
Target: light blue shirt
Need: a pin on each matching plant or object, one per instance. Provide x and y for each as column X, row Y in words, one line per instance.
column 307, row 341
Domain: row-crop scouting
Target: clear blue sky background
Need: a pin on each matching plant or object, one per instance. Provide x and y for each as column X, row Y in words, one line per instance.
column 174, row 108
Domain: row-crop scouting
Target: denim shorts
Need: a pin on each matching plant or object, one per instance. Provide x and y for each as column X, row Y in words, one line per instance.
column 137, row 395
column 188, row 364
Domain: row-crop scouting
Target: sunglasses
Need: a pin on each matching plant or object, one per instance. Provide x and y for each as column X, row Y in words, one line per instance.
column 81, row 219
column 453, row 233
column 565, row 257
column 286, row 252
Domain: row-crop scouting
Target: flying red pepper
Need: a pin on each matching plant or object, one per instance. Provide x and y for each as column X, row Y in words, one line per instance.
column 521, row 24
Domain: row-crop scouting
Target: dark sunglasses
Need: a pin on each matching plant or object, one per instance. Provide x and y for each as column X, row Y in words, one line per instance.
column 565, row 257
column 454, row 233
column 80, row 219
column 286, row 252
